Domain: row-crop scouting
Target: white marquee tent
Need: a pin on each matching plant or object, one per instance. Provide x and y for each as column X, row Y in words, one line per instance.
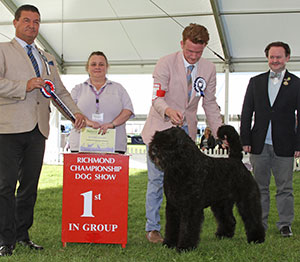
column 134, row 34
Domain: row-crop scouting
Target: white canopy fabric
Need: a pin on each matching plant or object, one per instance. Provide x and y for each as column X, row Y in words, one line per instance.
column 134, row 34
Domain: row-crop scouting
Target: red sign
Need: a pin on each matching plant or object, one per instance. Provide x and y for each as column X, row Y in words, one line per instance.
column 95, row 198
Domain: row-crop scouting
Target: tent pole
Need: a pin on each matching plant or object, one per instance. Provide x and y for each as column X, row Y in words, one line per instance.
column 226, row 115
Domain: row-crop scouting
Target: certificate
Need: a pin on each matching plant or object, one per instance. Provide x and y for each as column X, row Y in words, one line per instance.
column 91, row 141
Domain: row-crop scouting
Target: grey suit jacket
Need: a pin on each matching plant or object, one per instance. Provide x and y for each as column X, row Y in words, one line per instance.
column 21, row 111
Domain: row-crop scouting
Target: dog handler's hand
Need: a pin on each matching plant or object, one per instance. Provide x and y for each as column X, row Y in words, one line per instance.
column 247, row 149
column 297, row 153
column 225, row 143
column 175, row 116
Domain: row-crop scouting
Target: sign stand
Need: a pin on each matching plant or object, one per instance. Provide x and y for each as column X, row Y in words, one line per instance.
column 95, row 198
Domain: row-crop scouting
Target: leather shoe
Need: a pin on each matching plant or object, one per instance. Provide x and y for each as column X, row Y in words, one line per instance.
column 154, row 236
column 6, row 250
column 286, row 231
column 30, row 244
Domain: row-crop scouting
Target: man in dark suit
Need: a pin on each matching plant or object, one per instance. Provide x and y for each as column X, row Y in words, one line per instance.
column 273, row 139
column 24, row 126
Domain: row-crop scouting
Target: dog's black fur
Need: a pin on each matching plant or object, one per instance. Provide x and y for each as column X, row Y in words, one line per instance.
column 194, row 181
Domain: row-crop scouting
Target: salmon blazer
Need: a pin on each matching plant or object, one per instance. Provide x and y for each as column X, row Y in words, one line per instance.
column 170, row 78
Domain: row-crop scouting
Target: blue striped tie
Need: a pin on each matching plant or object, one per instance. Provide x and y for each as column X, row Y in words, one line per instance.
column 33, row 60
column 189, row 80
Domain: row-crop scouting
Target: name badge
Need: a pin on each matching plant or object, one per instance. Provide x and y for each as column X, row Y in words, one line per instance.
column 98, row 117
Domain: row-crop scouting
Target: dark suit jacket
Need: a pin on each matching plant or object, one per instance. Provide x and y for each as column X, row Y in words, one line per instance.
column 211, row 142
column 283, row 115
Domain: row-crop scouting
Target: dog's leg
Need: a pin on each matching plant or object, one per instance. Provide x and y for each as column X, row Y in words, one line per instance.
column 225, row 218
column 172, row 226
column 250, row 211
column 190, row 225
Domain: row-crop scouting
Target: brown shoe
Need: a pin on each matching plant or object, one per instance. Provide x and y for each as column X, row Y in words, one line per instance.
column 154, row 236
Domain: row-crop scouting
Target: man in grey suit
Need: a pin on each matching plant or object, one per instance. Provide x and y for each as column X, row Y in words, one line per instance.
column 273, row 139
column 24, row 126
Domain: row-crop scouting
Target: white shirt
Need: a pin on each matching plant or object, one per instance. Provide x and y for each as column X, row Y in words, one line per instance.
column 35, row 53
column 194, row 71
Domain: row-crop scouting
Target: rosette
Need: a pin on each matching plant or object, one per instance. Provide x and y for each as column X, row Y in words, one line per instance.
column 199, row 86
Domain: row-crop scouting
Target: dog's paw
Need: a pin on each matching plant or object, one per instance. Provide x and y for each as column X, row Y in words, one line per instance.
column 221, row 235
column 257, row 236
column 256, row 240
column 185, row 249
column 169, row 244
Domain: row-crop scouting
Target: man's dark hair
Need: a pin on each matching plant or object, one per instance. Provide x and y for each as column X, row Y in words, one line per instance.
column 280, row 44
column 25, row 8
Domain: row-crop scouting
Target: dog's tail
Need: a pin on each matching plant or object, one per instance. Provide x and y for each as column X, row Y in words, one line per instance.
column 228, row 133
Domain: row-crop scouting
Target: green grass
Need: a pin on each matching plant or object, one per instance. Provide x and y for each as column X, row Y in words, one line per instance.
column 47, row 231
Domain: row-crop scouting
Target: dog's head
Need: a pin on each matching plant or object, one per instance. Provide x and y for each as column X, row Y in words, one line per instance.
column 166, row 144
column 227, row 132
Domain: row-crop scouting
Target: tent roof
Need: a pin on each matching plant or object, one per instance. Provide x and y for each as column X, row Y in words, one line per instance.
column 134, row 34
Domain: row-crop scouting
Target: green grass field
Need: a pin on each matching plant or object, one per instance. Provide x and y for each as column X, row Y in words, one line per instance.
column 47, row 232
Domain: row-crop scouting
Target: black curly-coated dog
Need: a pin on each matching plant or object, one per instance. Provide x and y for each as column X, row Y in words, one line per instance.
column 194, row 181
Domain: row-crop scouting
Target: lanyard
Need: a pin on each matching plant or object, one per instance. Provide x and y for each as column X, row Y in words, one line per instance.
column 97, row 94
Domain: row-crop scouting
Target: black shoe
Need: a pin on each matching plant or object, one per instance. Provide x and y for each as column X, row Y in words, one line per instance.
column 30, row 244
column 286, row 231
column 6, row 250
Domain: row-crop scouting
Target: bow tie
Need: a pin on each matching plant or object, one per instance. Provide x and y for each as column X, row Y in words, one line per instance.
column 275, row 75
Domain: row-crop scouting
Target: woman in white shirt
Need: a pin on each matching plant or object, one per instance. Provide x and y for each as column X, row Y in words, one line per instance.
column 102, row 101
